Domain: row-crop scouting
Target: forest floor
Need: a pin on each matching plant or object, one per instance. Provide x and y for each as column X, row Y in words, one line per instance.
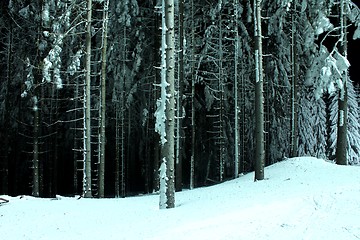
column 301, row 198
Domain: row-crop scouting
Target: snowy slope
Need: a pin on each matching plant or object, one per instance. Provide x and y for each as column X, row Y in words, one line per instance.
column 301, row 198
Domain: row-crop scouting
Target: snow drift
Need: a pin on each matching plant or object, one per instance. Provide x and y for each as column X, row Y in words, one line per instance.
column 301, row 198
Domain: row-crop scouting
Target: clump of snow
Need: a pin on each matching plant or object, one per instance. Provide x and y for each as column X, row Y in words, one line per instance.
column 145, row 116
column 301, row 198
column 163, row 185
column 35, row 101
column 25, row 12
column 328, row 71
column 53, row 62
column 356, row 33
column 322, row 24
column 160, row 113
column 75, row 63
column 45, row 14
column 29, row 81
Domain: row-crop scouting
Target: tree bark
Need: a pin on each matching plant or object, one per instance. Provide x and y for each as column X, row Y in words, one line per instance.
column 259, row 98
column 87, row 107
column 178, row 173
column 294, row 77
column 36, row 165
column 102, row 137
column 341, row 143
column 193, row 130
column 167, row 150
column 236, row 98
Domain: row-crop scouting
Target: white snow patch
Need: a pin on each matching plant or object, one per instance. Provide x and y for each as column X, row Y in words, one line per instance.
column 303, row 198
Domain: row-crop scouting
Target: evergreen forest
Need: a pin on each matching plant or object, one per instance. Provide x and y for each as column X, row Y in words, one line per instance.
column 95, row 93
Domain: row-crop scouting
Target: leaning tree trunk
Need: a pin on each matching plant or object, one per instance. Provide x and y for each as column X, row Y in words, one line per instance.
column 341, row 143
column 259, row 98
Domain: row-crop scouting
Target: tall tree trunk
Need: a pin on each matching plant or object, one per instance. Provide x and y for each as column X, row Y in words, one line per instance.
column 193, row 130
column 178, row 172
column 236, row 98
column 76, row 150
column 259, row 96
column 167, row 149
column 5, row 167
column 341, row 144
column 294, row 77
column 102, row 138
column 221, row 140
column 120, row 185
column 87, row 107
column 36, row 165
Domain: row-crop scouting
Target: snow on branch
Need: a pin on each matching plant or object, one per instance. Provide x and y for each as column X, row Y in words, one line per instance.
column 354, row 16
column 322, row 24
column 328, row 71
column 53, row 62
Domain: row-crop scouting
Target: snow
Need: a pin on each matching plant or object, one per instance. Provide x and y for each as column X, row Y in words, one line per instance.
column 160, row 113
column 163, row 185
column 301, row 198
column 322, row 24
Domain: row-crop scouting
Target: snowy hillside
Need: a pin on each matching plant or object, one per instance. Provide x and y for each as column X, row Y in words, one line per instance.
column 301, row 198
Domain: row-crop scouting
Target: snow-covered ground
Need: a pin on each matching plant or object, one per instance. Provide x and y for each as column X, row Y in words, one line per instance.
column 301, row 198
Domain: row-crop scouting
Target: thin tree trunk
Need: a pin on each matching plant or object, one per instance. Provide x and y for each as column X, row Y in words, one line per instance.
column 167, row 150
column 193, row 130
column 236, row 100
column 259, row 96
column 36, row 165
column 294, row 77
column 179, row 118
column 117, row 153
column 221, row 107
column 76, row 143
column 5, row 168
column 341, row 144
column 102, row 138
column 87, row 105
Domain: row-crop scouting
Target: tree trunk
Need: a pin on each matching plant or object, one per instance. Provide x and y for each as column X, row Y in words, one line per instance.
column 341, row 143
column 178, row 173
column 167, row 150
column 36, row 165
column 87, row 107
column 193, row 130
column 236, row 100
column 294, row 77
column 259, row 98
column 5, row 167
column 102, row 138
column 76, row 143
